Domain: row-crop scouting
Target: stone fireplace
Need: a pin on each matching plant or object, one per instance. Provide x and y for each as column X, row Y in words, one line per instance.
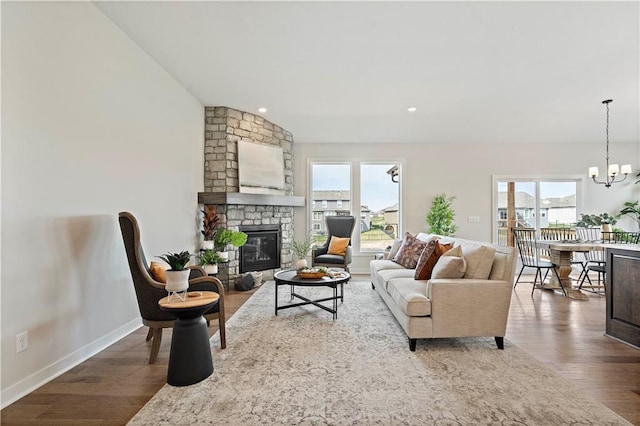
column 224, row 127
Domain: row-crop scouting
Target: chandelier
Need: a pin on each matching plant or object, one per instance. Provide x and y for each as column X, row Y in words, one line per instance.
column 613, row 171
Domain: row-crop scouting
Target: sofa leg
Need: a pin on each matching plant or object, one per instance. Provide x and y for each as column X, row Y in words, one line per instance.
column 500, row 342
column 412, row 344
column 373, row 286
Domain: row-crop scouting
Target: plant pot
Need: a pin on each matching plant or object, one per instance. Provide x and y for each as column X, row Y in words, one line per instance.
column 177, row 280
column 301, row 263
column 207, row 245
column 224, row 255
column 606, row 227
column 210, row 269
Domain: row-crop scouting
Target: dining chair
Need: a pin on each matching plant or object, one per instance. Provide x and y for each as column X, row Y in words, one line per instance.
column 597, row 260
column 529, row 251
column 149, row 291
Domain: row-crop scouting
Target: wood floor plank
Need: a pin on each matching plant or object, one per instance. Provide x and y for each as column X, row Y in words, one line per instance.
column 564, row 335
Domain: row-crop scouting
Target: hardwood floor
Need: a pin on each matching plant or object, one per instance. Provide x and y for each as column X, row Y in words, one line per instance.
column 565, row 335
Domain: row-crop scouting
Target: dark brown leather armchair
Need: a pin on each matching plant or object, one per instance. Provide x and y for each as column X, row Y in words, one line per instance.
column 339, row 226
column 150, row 291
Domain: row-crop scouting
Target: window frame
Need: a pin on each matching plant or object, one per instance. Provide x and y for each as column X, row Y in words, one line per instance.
column 355, row 187
column 536, row 179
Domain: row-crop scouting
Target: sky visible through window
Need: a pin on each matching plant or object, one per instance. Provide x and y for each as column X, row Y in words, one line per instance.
column 377, row 189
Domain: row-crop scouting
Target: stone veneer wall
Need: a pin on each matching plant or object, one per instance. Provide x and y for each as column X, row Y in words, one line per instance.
column 224, row 127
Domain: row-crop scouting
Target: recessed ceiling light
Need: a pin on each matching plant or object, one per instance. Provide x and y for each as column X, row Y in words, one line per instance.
column 412, row 109
column 262, row 110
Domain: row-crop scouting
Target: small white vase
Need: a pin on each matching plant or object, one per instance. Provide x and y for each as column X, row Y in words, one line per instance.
column 207, row 245
column 224, row 255
column 301, row 263
column 177, row 280
column 211, row 269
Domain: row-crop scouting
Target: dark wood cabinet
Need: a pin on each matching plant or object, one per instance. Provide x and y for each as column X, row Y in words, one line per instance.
column 623, row 294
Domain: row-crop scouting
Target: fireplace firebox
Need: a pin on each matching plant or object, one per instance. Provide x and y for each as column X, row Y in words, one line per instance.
column 262, row 249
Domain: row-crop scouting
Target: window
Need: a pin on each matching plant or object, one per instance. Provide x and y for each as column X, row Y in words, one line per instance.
column 317, row 216
column 539, row 203
column 364, row 189
column 313, row 204
column 329, row 181
column 380, row 200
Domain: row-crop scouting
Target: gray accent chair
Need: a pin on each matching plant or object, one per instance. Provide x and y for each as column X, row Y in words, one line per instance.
column 149, row 291
column 339, row 226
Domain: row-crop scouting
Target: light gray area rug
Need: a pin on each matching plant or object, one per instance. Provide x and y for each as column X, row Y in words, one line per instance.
column 303, row 368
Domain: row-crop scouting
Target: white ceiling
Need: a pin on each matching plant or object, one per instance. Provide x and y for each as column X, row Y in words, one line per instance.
column 485, row 72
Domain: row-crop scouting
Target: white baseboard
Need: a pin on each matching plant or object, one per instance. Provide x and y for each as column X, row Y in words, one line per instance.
column 39, row 378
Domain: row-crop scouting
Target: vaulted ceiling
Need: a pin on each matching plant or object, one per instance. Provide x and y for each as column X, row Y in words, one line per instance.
column 477, row 72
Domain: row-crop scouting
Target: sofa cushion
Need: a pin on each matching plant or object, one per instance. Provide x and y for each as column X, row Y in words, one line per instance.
column 479, row 260
column 409, row 251
column 379, row 264
column 397, row 242
column 410, row 296
column 499, row 267
column 449, row 267
column 428, row 260
column 388, row 274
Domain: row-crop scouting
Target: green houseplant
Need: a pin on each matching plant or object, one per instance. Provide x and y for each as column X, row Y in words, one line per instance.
column 209, row 226
column 226, row 237
column 178, row 275
column 631, row 209
column 594, row 220
column 301, row 250
column 440, row 216
column 209, row 260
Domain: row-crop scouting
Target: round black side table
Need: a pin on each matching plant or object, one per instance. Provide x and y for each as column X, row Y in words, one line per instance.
column 190, row 357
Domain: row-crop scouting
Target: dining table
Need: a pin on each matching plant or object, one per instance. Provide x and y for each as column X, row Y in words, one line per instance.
column 561, row 254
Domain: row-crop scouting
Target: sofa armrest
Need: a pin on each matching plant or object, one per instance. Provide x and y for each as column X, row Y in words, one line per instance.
column 469, row 307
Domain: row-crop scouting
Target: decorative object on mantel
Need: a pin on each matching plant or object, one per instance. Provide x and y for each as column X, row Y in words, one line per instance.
column 209, row 224
column 209, row 260
column 301, row 250
column 178, row 275
column 613, row 170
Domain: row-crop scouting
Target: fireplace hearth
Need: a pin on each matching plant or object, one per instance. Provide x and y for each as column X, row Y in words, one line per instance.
column 262, row 249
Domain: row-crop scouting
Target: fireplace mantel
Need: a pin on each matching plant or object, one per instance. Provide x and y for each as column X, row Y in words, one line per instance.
column 240, row 198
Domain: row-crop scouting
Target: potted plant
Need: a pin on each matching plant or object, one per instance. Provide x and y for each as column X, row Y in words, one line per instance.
column 209, row 260
column 209, row 224
column 604, row 220
column 226, row 237
column 440, row 216
column 178, row 275
column 301, row 250
column 631, row 209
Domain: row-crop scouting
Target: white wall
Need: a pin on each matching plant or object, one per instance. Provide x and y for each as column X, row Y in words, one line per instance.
column 465, row 170
column 90, row 126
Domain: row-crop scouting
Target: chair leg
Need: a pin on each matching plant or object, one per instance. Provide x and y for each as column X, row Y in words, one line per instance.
column 223, row 330
column 535, row 280
column 518, row 279
column 155, row 344
column 149, row 334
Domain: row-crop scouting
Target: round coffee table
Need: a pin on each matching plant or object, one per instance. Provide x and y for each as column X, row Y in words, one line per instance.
column 190, row 357
column 290, row 277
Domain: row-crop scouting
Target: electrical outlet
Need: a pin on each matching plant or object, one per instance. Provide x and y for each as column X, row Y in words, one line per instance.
column 22, row 341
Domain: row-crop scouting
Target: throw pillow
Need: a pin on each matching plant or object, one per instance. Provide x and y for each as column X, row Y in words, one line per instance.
column 449, row 267
column 397, row 242
column 456, row 251
column 157, row 271
column 479, row 260
column 409, row 251
column 338, row 246
column 427, row 262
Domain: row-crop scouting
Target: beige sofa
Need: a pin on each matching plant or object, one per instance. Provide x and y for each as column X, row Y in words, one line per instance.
column 465, row 307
